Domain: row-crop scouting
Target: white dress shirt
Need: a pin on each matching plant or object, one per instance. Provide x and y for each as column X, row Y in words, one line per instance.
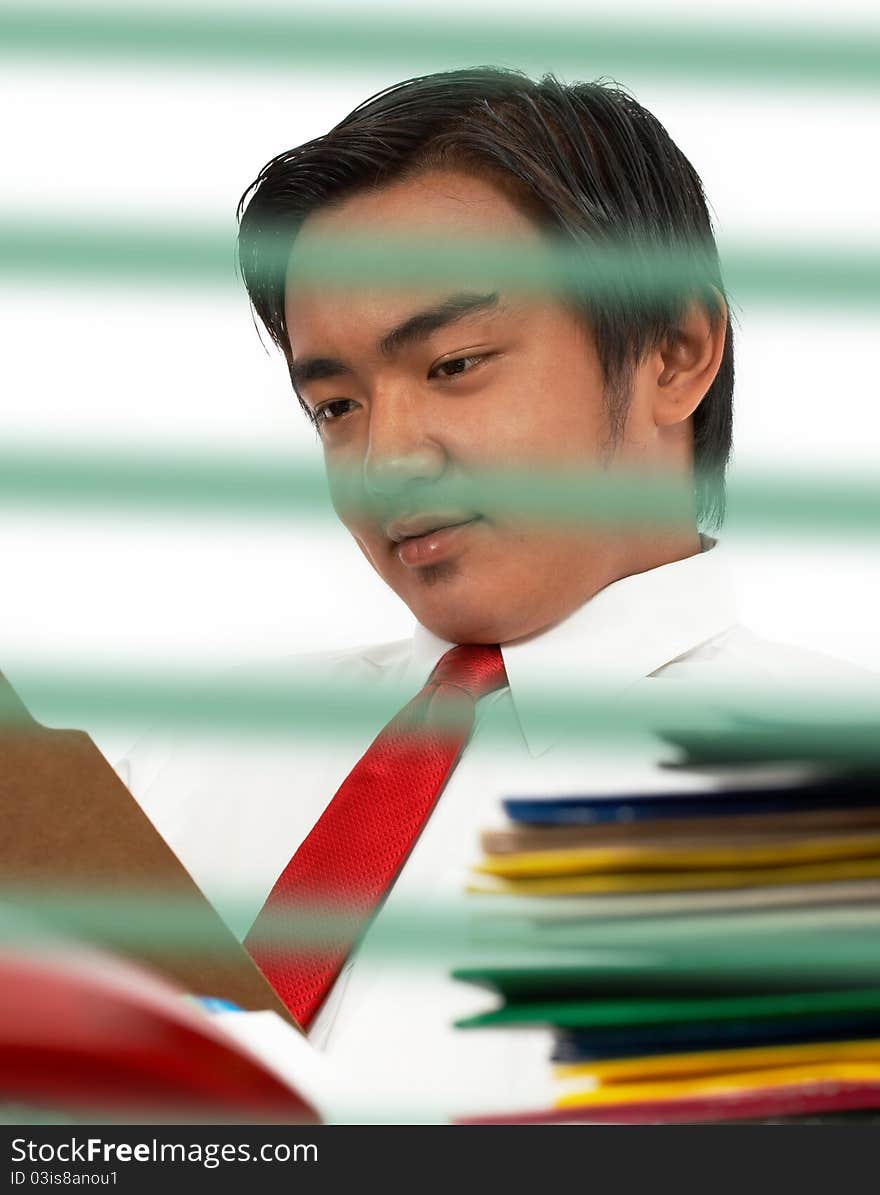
column 235, row 809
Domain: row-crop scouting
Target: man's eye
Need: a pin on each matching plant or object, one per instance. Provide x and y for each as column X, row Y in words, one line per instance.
column 334, row 409
column 455, row 367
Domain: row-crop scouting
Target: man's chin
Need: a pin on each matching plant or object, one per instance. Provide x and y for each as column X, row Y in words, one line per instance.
column 458, row 618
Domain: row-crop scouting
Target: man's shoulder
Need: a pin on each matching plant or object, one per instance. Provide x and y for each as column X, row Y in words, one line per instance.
column 740, row 660
column 326, row 670
column 364, row 658
column 744, row 650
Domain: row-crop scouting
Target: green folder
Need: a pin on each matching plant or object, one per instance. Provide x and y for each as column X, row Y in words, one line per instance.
column 622, row 1013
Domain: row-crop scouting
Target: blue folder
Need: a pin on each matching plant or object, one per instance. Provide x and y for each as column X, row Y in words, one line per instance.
column 593, row 1045
column 836, row 793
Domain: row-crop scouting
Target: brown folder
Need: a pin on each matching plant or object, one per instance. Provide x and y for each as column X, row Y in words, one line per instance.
column 70, row 824
column 754, row 828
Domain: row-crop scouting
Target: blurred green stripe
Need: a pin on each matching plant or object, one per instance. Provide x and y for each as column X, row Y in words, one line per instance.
column 44, row 251
column 177, row 486
column 493, row 928
column 679, row 49
column 41, row 249
column 291, row 704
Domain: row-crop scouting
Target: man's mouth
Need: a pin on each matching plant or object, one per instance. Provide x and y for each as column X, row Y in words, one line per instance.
column 428, row 538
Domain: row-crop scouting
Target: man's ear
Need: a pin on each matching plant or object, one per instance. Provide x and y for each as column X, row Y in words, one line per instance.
column 687, row 361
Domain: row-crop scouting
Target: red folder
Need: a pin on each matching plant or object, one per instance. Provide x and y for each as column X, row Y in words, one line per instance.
column 84, row 1032
column 806, row 1099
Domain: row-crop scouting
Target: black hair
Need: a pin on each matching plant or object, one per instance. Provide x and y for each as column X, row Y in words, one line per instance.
column 587, row 162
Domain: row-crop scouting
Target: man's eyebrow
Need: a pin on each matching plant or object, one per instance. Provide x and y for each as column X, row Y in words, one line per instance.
column 415, row 327
column 316, row 369
column 424, row 323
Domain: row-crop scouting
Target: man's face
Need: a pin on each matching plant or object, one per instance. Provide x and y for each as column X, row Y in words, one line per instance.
column 413, row 387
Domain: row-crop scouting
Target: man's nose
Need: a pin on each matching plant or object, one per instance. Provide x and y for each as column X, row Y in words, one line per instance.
column 401, row 448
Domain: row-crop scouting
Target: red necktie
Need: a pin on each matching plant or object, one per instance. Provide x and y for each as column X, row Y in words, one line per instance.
column 361, row 840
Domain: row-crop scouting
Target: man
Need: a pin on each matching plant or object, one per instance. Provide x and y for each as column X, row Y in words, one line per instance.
column 414, row 389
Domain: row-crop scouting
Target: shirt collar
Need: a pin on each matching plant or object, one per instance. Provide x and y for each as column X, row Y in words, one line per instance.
column 623, row 633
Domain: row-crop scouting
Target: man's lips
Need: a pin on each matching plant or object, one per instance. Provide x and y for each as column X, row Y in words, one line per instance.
column 414, row 526
column 428, row 538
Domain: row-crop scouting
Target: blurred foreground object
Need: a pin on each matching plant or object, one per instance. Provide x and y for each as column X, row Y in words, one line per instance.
column 80, row 1029
column 83, row 1032
column 701, row 955
column 71, row 824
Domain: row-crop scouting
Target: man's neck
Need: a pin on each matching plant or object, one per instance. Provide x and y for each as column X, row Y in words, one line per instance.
column 642, row 554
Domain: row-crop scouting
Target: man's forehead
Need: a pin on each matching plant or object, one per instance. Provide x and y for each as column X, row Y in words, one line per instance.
column 432, row 207
column 431, row 203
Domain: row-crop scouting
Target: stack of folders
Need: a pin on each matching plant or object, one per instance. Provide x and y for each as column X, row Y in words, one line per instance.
column 702, row 955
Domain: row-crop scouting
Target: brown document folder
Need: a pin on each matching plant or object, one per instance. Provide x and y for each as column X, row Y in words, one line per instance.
column 70, row 824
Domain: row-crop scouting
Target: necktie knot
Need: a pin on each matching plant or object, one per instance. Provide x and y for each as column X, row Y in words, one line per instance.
column 476, row 668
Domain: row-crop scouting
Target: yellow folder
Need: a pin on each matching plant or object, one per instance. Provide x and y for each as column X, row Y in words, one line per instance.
column 692, row 857
column 678, row 881
column 707, row 1085
column 718, row 1062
